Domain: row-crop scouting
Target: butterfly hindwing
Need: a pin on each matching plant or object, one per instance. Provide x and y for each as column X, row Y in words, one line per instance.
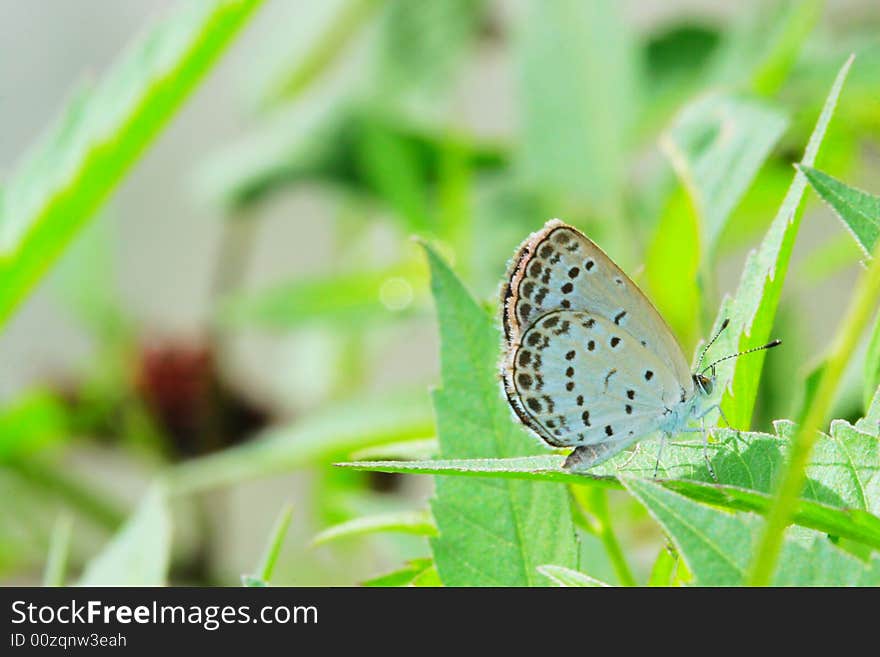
column 579, row 379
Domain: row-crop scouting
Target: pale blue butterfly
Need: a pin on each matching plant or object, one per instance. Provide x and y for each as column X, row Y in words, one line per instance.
column 589, row 363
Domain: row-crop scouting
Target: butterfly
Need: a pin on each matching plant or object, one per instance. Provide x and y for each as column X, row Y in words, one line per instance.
column 588, row 361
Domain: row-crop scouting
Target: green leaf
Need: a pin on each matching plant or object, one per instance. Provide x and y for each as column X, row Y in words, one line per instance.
column 859, row 211
column 491, row 533
column 672, row 264
column 578, row 94
column 68, row 174
column 822, row 564
column 421, row 47
column 424, row 448
column 34, row 421
column 428, row 577
column 535, row 468
column 870, row 424
column 844, row 469
column 872, row 364
column 273, row 547
column 337, row 148
column 87, row 280
column 419, row 523
column 717, row 545
column 781, row 51
column 762, row 47
column 675, row 57
column 346, row 23
column 747, row 465
column 717, row 144
column 562, row 576
column 346, row 298
column 753, row 309
column 663, row 571
column 402, row 576
column 334, row 431
column 140, row 553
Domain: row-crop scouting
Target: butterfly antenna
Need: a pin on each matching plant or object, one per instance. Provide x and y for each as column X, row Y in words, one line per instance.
column 712, row 341
column 769, row 345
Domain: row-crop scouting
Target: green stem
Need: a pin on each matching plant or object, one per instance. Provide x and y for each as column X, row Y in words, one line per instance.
column 592, row 503
column 59, row 547
column 47, row 478
column 237, row 235
column 324, row 53
column 273, row 549
column 785, row 501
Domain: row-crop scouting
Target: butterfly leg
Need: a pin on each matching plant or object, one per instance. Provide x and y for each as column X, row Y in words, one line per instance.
column 663, row 438
column 723, row 417
column 730, row 426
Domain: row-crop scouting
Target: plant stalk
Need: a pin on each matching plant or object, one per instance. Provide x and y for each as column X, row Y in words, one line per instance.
column 273, row 549
column 59, row 547
column 593, row 501
column 91, row 503
column 324, row 53
column 785, row 501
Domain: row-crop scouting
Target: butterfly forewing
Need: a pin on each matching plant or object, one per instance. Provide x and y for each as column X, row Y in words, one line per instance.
column 578, row 378
column 558, row 268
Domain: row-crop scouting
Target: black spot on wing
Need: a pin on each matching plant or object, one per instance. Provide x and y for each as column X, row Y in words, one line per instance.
column 608, row 376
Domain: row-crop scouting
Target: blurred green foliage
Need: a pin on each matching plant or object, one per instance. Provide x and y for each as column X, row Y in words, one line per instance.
column 669, row 142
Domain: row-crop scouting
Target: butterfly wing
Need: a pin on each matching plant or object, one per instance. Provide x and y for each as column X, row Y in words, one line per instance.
column 578, row 378
column 560, row 268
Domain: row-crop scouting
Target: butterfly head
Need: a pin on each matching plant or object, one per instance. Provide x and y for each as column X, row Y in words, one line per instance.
column 705, row 384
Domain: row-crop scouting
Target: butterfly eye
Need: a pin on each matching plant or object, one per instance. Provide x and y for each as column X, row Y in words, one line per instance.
column 704, row 383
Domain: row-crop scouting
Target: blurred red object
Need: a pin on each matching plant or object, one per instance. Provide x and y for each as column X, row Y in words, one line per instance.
column 199, row 412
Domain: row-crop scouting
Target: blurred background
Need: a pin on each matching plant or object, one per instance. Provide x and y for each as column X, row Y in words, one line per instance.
column 249, row 307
